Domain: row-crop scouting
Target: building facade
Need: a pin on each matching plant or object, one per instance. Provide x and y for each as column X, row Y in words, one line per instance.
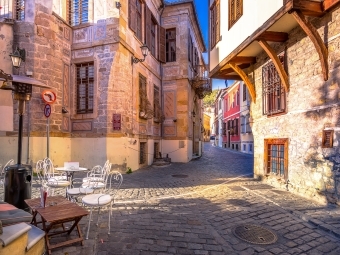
column 111, row 101
column 287, row 55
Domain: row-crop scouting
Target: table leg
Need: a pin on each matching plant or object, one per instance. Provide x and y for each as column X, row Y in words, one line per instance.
column 46, row 236
column 76, row 224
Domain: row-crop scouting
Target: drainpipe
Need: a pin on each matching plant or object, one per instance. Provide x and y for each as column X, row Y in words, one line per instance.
column 162, row 95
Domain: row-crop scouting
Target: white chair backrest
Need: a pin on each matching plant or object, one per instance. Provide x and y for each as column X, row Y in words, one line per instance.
column 9, row 162
column 113, row 182
column 48, row 168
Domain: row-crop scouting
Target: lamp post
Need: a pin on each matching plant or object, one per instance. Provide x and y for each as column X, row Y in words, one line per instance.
column 17, row 185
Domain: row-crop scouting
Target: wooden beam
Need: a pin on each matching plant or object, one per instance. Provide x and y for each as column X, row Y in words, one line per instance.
column 316, row 40
column 250, row 86
column 328, row 4
column 276, row 61
column 226, row 70
column 234, row 77
column 308, row 7
column 243, row 60
column 273, row 36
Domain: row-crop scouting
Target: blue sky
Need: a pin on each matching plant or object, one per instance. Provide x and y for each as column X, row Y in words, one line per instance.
column 202, row 8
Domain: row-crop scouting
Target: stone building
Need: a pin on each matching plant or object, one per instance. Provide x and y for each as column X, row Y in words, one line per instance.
column 288, row 56
column 111, row 101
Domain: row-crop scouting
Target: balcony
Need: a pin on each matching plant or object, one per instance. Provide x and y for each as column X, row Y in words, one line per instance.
column 200, row 82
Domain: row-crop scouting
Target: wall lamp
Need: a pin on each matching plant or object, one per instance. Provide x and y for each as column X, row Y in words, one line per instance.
column 145, row 51
column 17, row 56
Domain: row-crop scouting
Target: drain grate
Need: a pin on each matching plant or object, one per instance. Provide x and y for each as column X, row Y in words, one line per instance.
column 179, row 175
column 254, row 234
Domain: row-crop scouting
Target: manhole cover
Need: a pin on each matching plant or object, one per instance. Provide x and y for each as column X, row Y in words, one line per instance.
column 179, row 175
column 254, row 234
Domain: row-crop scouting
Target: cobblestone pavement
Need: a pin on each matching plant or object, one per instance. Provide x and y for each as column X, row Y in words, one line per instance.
column 199, row 207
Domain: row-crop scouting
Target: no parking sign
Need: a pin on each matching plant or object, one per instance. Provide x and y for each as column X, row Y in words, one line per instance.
column 47, row 110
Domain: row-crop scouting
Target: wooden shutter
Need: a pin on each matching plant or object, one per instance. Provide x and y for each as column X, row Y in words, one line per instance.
column 148, row 27
column 161, row 47
column 132, row 15
column 327, row 138
column 217, row 20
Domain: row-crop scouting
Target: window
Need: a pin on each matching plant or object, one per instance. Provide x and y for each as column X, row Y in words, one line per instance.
column 244, row 147
column 85, row 80
column 135, row 17
column 224, row 128
column 215, row 23
column 250, row 148
column 248, row 128
column 79, row 12
column 276, row 157
column 235, row 11
column 142, row 94
column 142, row 153
column 244, row 92
column 243, row 124
column 20, row 9
column 327, row 138
column 150, row 31
column 156, row 104
column 274, row 94
column 171, row 45
column 153, row 37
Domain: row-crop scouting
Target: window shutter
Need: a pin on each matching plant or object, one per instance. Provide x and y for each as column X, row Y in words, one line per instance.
column 132, row 15
column 217, row 17
column 162, row 57
column 68, row 12
column 148, row 27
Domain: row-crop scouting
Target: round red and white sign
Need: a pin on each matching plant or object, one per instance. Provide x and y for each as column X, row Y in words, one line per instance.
column 48, row 96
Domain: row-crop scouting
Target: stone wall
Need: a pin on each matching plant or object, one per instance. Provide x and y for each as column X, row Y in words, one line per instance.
column 312, row 106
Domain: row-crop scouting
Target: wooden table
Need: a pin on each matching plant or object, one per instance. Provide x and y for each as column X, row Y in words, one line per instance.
column 58, row 211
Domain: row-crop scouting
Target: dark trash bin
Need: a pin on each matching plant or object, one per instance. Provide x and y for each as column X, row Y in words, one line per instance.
column 18, row 185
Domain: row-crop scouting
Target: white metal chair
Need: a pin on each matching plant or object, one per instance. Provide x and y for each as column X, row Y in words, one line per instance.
column 105, row 198
column 98, row 173
column 77, row 189
column 49, row 178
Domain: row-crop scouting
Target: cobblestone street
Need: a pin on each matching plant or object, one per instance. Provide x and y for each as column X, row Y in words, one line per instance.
column 196, row 208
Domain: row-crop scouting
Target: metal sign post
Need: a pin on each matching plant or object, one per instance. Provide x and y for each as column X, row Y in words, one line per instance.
column 47, row 113
column 49, row 97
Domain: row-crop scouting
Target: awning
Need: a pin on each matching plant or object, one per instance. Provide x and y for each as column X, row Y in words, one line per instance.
column 29, row 80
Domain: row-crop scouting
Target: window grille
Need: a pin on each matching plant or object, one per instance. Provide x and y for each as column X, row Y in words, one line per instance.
column 327, row 138
column 276, row 157
column 20, row 9
column 142, row 93
column 274, row 94
column 171, row 45
column 85, row 89
column 235, row 11
column 243, row 125
column 156, row 104
column 79, row 12
column 6, row 9
column 142, row 153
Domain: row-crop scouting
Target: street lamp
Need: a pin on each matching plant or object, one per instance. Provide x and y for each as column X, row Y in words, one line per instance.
column 145, row 50
column 17, row 56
